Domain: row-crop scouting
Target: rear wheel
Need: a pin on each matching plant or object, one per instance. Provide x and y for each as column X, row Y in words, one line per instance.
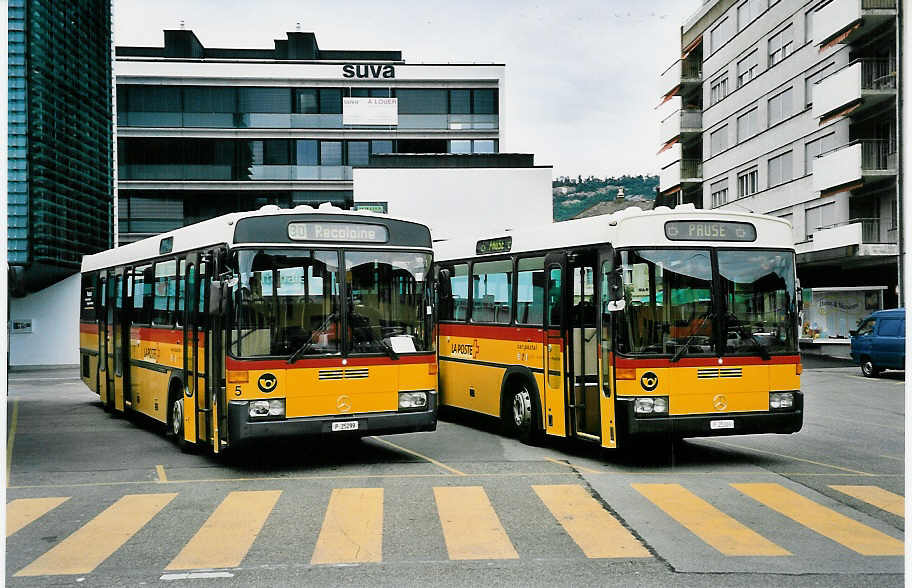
column 176, row 420
column 868, row 369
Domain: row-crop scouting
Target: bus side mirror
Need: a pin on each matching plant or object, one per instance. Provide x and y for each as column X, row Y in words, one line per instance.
column 615, row 287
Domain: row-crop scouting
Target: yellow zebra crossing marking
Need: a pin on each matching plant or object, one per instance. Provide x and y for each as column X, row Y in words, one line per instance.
column 228, row 534
column 23, row 511
column 94, row 542
column 827, row 522
column 713, row 526
column 592, row 527
column 875, row 495
column 471, row 528
column 352, row 529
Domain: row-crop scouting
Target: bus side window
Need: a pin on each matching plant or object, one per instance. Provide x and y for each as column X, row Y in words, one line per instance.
column 492, row 290
column 457, row 307
column 530, row 291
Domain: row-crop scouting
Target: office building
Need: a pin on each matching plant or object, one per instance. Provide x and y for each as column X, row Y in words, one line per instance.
column 204, row 131
column 790, row 109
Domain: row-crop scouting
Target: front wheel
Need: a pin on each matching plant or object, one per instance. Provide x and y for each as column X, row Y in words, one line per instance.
column 519, row 414
column 868, row 369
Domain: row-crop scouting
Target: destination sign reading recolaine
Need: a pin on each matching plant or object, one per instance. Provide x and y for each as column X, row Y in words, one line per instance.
column 337, row 232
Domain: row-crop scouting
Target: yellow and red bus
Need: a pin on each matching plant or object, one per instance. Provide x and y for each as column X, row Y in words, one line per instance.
column 672, row 323
column 278, row 322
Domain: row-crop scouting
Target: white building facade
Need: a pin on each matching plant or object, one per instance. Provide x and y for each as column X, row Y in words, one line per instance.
column 790, row 109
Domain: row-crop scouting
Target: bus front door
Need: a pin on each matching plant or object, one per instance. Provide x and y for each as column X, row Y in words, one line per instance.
column 608, row 282
column 582, row 355
column 119, row 340
column 105, row 359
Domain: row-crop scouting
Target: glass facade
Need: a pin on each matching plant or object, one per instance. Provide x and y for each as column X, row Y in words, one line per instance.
column 60, row 134
column 297, row 108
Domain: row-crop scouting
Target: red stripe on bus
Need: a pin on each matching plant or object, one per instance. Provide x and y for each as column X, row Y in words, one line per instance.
column 92, row 328
column 174, row 336
column 494, row 332
column 282, row 364
column 628, row 362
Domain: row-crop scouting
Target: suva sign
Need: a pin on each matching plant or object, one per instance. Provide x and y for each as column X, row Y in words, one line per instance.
column 368, row 71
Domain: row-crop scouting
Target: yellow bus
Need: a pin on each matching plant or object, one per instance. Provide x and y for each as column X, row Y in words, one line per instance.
column 672, row 323
column 278, row 322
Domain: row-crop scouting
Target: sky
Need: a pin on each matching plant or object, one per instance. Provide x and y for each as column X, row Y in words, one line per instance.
column 582, row 76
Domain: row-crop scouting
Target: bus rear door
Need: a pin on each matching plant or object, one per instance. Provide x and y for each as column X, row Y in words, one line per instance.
column 582, row 356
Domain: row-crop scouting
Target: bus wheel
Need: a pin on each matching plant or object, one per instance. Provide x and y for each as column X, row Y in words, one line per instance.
column 868, row 369
column 519, row 413
column 176, row 420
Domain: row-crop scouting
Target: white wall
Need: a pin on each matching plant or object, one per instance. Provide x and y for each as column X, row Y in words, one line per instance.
column 456, row 202
column 54, row 339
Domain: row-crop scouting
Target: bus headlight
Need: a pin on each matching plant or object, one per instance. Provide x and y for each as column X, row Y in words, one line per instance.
column 780, row 400
column 274, row 407
column 412, row 400
column 651, row 405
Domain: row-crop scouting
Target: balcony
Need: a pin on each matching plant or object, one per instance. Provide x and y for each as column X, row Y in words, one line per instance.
column 866, row 235
column 683, row 172
column 681, row 77
column 855, row 89
column 851, row 164
column 682, row 123
column 848, row 21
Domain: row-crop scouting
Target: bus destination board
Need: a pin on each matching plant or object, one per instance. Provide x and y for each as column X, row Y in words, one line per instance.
column 499, row 245
column 337, row 232
column 710, row 231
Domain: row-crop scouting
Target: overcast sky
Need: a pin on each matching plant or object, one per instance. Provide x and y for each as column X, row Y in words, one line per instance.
column 581, row 76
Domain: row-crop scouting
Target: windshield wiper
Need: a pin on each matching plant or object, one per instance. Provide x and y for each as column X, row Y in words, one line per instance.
column 762, row 349
column 683, row 349
column 310, row 341
column 388, row 348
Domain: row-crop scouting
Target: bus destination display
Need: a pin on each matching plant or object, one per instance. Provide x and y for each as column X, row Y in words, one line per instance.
column 710, row 231
column 499, row 245
column 334, row 231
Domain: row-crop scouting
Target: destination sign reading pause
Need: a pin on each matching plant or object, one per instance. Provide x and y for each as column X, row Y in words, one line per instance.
column 710, row 231
column 337, row 232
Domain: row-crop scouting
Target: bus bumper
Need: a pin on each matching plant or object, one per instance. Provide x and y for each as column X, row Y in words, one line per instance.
column 242, row 428
column 742, row 423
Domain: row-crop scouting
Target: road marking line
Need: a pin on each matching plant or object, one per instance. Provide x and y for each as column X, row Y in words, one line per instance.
column 424, row 457
column 196, row 575
column 471, row 528
column 710, row 524
column 94, row 542
column 24, row 511
column 592, row 527
column 810, row 461
column 352, row 530
column 877, row 496
column 9, row 440
column 880, row 380
column 893, row 457
column 226, row 537
column 160, row 470
column 825, row 521
column 574, row 466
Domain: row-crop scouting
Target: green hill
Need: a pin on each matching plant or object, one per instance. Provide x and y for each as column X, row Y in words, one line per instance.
column 571, row 196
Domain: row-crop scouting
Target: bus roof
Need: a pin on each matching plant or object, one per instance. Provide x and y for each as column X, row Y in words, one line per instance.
column 222, row 230
column 630, row 227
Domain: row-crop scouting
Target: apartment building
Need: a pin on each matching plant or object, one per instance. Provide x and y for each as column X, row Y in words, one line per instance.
column 203, row 131
column 789, row 108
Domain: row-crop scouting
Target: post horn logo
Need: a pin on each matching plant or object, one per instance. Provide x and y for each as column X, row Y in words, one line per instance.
column 267, row 382
column 720, row 402
column 649, row 381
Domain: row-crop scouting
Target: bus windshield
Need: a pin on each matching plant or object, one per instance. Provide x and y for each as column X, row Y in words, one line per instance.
column 288, row 303
column 672, row 307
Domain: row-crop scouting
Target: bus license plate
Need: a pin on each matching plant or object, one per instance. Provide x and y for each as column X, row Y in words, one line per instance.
column 726, row 424
column 345, row 426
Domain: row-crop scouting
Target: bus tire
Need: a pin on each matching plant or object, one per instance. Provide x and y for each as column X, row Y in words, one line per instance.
column 176, row 416
column 868, row 369
column 519, row 412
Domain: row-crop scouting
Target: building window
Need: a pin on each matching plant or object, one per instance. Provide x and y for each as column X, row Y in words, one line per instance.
column 747, row 125
column 330, row 152
column 719, row 193
column 460, row 102
column 307, row 152
column 748, row 11
column 780, row 107
column 747, row 182
column 718, row 140
column 358, row 152
column 484, row 101
column 422, row 101
column 819, row 218
column 718, row 89
column 780, row 45
column 748, row 68
column 381, row 146
column 264, row 100
column 813, row 79
column 719, row 35
column 779, row 169
column 814, row 148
